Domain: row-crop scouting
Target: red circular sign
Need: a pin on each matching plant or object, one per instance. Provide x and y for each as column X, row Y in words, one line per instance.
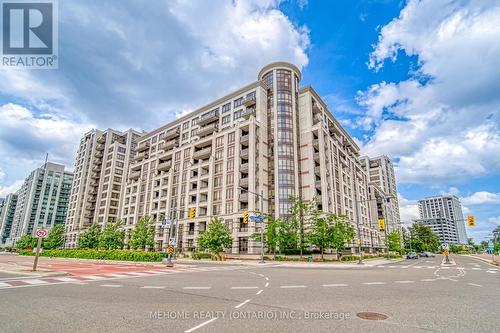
column 42, row 233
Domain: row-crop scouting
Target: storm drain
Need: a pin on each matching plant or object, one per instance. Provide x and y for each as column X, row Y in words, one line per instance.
column 371, row 316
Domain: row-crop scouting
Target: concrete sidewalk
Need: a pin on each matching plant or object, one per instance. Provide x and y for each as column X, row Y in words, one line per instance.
column 486, row 258
column 17, row 269
column 350, row 264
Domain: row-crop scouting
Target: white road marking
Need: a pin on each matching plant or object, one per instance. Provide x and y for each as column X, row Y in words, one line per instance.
column 287, row 287
column 428, row 280
column 404, row 281
column 201, row 325
column 445, row 267
column 153, row 287
column 112, row 285
column 253, row 273
column 65, row 279
column 244, row 287
column 154, row 272
column 92, row 277
column 261, row 275
column 241, row 304
column 476, row 268
column 34, row 281
column 406, row 266
column 196, row 288
column 3, row 285
column 116, row 275
column 259, row 292
column 373, row 283
column 492, row 272
column 474, row 284
column 393, row 266
column 267, row 279
column 335, row 285
column 267, row 285
column 417, row 266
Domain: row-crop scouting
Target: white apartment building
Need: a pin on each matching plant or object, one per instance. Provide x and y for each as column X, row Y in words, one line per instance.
column 41, row 202
column 444, row 215
column 101, row 169
column 383, row 191
column 271, row 137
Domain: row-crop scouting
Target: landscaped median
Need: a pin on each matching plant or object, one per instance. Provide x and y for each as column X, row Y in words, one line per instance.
column 124, row 255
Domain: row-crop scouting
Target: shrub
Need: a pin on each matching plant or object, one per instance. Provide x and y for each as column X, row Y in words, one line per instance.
column 350, row 258
column 103, row 254
column 201, row 255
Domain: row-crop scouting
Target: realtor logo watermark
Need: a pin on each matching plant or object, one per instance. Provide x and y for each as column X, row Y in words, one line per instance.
column 29, row 34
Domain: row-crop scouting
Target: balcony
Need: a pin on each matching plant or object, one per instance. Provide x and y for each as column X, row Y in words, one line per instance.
column 244, row 153
column 244, row 139
column 170, row 144
column 317, row 118
column 164, row 166
column 92, row 198
column 88, row 215
column 143, row 146
column 96, row 168
column 100, row 146
column 316, row 157
column 247, row 113
column 243, row 197
column 140, row 156
column 136, row 166
column 134, row 175
column 203, row 153
column 316, row 108
column 173, row 133
column 208, row 129
column 249, row 101
column 98, row 154
column 166, row 155
column 101, row 139
column 244, row 182
column 244, row 167
column 316, row 143
column 208, row 117
column 94, row 175
column 317, row 170
column 318, row 184
column 93, row 183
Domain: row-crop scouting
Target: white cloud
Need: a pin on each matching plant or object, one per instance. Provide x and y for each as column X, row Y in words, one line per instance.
column 442, row 124
column 481, row 198
column 408, row 210
column 495, row 220
column 12, row 188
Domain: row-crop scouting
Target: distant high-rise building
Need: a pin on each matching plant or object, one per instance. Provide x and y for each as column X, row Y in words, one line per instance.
column 7, row 216
column 101, row 169
column 382, row 188
column 444, row 215
column 42, row 201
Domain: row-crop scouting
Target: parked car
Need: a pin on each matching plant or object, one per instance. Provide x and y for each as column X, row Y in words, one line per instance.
column 412, row 255
column 429, row 254
column 421, row 254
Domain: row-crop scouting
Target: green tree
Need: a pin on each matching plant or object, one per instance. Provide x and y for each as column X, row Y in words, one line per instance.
column 143, row 234
column 423, row 238
column 320, row 234
column 55, row 239
column 394, row 241
column 26, row 241
column 454, row 248
column 270, row 234
column 216, row 238
column 300, row 213
column 496, row 234
column 89, row 239
column 286, row 235
column 112, row 236
column 340, row 232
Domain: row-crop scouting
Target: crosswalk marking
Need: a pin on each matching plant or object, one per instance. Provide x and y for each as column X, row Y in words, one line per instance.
column 34, row 281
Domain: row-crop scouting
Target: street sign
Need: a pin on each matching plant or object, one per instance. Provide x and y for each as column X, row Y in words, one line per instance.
column 471, row 221
column 170, row 249
column 171, row 241
column 381, row 224
column 257, row 218
column 40, row 250
column 445, row 246
column 42, row 233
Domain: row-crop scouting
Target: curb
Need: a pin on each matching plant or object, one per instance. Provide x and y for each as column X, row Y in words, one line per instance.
column 488, row 261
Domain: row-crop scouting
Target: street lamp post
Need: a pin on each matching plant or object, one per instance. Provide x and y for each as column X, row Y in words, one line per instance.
column 261, row 204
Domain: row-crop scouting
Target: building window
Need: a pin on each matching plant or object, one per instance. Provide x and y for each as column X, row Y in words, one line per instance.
column 230, row 137
column 238, row 102
column 226, row 108
column 226, row 119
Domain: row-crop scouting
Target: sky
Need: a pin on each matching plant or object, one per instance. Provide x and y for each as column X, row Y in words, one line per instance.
column 418, row 81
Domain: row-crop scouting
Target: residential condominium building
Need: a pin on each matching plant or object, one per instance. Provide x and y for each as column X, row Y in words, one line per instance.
column 7, row 216
column 271, row 137
column 100, row 172
column 383, row 192
column 42, row 201
column 444, row 215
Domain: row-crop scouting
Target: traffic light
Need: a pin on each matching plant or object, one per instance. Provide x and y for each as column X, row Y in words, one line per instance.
column 192, row 213
column 470, row 221
column 381, row 224
column 245, row 217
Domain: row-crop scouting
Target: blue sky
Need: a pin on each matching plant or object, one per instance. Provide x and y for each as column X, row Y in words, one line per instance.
column 416, row 80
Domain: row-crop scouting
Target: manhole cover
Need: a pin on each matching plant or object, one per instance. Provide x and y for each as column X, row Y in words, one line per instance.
column 371, row 316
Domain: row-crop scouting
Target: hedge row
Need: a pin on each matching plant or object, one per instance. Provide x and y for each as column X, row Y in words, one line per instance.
column 201, row 255
column 125, row 255
column 369, row 256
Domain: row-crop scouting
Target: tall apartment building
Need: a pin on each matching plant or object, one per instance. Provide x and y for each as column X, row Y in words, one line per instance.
column 42, row 201
column 100, row 172
column 270, row 137
column 7, row 216
column 382, row 188
column 444, row 215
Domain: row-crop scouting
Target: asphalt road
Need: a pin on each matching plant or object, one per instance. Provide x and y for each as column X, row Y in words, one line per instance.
column 412, row 295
